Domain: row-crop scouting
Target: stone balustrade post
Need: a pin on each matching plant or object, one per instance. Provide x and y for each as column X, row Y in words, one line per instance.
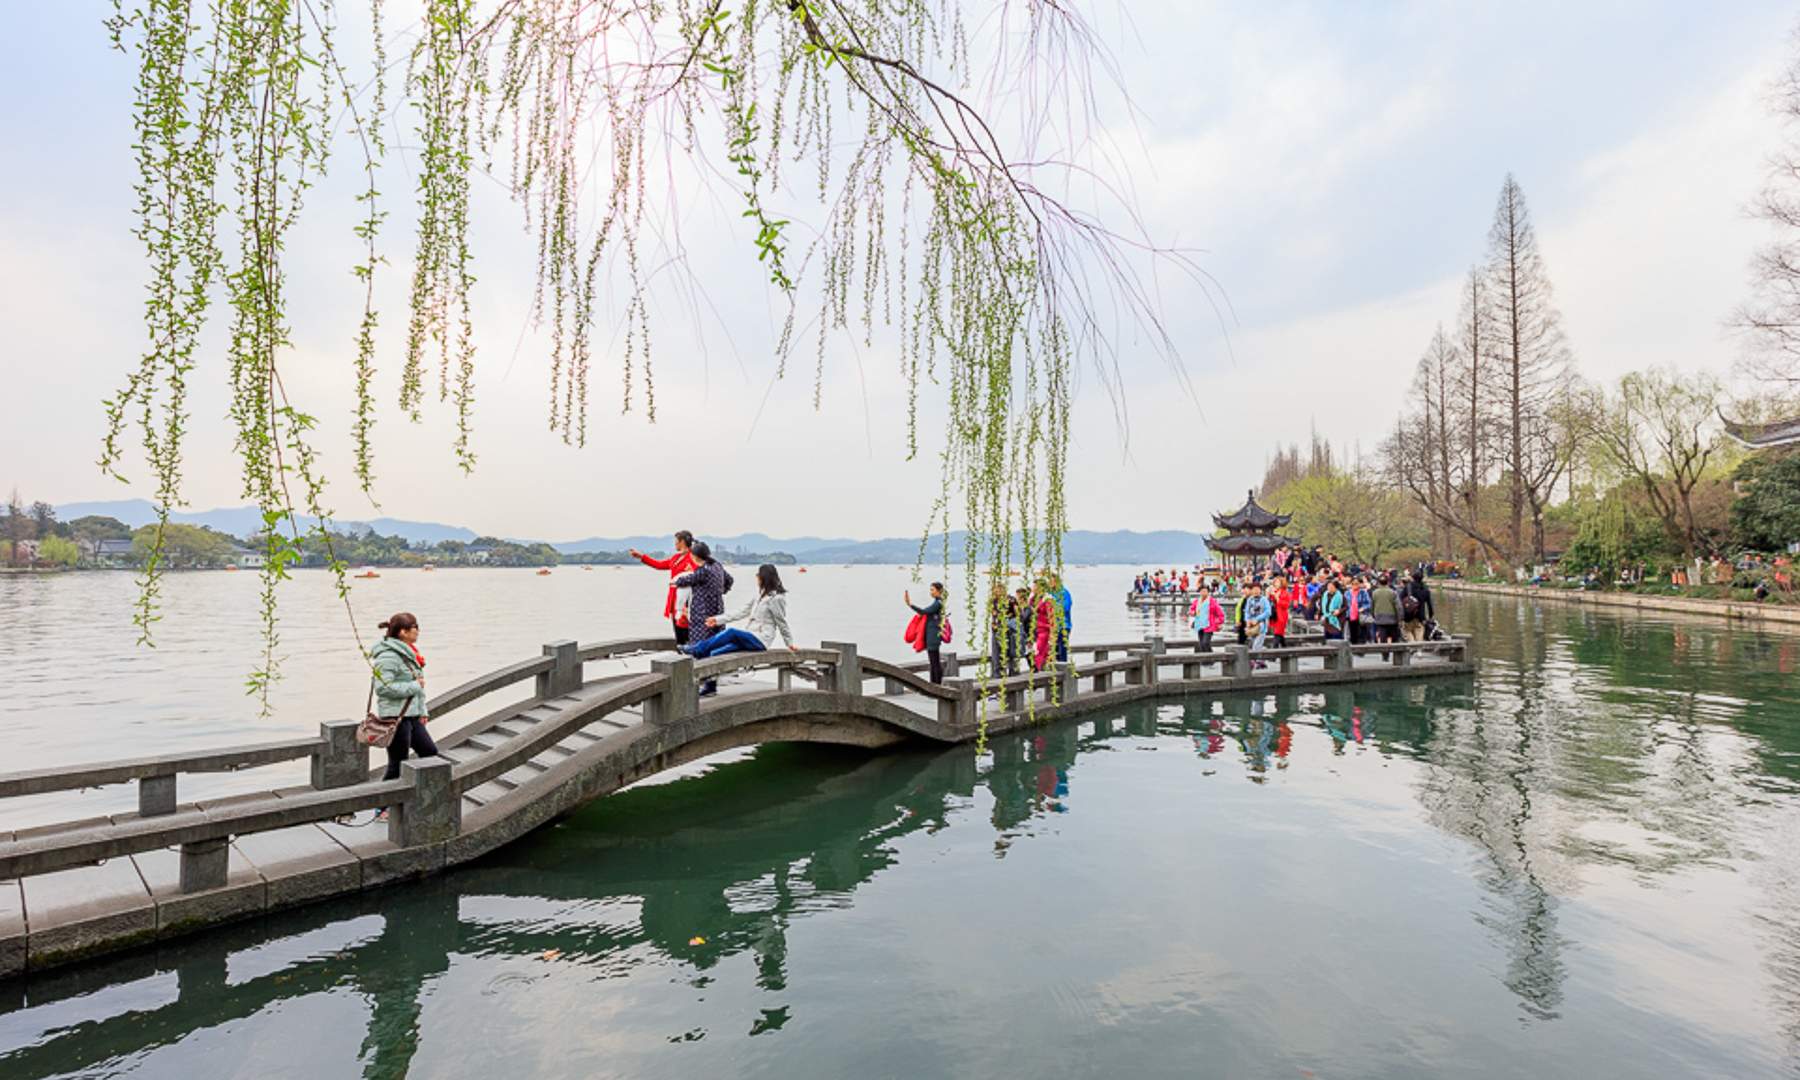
column 1240, row 661
column 680, row 699
column 1192, row 670
column 952, row 664
column 1402, row 656
column 431, row 813
column 1157, row 645
column 1345, row 659
column 340, row 760
column 565, row 676
column 156, row 795
column 1290, row 664
column 958, row 713
column 1065, row 682
column 846, row 674
column 204, row 865
column 1459, row 654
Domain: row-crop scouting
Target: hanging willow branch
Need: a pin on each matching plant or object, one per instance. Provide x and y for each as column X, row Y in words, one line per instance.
column 937, row 217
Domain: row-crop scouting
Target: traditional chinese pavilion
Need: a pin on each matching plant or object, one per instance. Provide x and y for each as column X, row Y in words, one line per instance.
column 1250, row 533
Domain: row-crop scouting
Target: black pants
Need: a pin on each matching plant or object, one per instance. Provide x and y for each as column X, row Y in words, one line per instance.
column 681, row 632
column 1243, row 638
column 1278, row 641
column 1206, row 641
column 937, row 664
column 410, row 735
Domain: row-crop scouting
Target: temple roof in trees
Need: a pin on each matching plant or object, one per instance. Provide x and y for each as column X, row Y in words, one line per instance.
column 1249, row 543
column 1764, row 436
column 1252, row 518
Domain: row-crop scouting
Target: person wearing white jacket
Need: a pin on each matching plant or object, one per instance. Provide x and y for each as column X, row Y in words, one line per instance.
column 764, row 619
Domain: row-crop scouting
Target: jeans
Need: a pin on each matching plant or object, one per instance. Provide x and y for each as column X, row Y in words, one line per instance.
column 729, row 640
column 409, row 735
column 1062, row 644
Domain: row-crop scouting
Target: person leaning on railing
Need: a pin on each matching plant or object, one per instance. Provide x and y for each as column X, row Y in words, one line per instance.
column 399, row 684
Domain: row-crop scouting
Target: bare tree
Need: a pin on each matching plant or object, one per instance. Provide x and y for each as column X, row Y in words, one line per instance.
column 1770, row 319
column 1530, row 372
column 18, row 525
column 1659, row 429
column 43, row 518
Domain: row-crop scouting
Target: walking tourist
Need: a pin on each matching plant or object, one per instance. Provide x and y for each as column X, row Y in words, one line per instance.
column 1256, row 615
column 682, row 562
column 1003, row 632
column 398, row 687
column 707, row 583
column 764, row 619
column 1065, row 605
column 1278, row 612
column 1043, row 618
column 1385, row 603
column 1331, row 610
column 1416, row 607
column 931, row 631
column 1208, row 617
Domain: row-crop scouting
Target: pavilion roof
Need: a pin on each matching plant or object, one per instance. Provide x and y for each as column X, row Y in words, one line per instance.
column 1764, row 436
column 1251, row 516
column 1249, row 543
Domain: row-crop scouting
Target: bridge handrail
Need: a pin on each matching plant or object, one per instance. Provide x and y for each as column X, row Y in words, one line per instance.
column 714, row 666
column 607, row 650
column 483, row 685
column 519, row 749
column 872, row 669
column 60, row 850
column 124, row 770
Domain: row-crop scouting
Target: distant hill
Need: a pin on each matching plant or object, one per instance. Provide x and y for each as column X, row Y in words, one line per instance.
column 243, row 520
column 1169, row 547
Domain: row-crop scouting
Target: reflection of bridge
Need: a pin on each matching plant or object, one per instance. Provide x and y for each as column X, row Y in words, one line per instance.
column 101, row 884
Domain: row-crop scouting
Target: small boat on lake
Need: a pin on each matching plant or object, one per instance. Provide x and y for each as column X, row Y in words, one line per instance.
column 544, row 572
column 368, row 572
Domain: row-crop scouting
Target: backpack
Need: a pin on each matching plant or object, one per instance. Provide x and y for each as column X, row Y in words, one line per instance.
column 1410, row 607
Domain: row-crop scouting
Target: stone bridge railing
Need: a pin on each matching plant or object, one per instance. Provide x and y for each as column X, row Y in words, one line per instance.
column 426, row 804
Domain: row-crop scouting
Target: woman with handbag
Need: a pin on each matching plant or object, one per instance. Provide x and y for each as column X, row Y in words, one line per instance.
column 397, row 692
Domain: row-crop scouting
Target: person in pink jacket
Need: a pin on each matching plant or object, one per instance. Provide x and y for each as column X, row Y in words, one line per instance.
column 1208, row 616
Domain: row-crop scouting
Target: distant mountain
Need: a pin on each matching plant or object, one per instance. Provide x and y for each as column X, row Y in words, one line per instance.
column 1163, row 548
column 241, row 521
column 798, row 545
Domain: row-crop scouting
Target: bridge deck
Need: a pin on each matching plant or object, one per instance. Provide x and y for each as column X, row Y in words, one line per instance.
column 81, row 887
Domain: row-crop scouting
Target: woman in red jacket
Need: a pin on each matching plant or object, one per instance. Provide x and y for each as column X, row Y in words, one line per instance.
column 1278, row 613
column 682, row 562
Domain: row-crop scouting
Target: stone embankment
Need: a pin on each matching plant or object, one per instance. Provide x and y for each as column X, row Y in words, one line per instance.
column 1748, row 611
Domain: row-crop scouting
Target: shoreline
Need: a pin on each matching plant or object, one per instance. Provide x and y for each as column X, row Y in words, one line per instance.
column 1740, row 610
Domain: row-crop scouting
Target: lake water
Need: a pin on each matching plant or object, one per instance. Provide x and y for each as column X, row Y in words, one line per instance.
column 1583, row 861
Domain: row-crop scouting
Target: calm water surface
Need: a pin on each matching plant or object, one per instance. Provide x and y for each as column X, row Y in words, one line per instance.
column 1583, row 861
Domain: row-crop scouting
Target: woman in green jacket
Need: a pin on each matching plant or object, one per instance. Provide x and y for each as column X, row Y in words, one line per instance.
column 399, row 685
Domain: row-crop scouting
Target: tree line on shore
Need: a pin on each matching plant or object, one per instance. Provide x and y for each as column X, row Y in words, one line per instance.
column 31, row 536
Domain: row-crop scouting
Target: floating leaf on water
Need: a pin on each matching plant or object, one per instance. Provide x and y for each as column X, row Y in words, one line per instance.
column 696, row 940
column 550, row 954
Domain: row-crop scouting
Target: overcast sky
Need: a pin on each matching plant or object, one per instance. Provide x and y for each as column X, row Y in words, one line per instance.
column 1337, row 164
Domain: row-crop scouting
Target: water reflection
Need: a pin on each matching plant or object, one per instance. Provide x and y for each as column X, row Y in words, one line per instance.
column 1606, row 788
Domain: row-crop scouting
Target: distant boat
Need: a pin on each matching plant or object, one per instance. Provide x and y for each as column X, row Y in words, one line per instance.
column 368, row 572
column 587, row 568
column 803, row 570
column 544, row 572
column 231, row 566
column 428, row 567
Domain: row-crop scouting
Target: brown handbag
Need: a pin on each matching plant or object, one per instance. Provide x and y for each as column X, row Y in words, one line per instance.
column 377, row 731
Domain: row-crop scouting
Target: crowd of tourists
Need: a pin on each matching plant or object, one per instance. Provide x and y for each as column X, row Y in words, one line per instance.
column 1350, row 603
column 1030, row 624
